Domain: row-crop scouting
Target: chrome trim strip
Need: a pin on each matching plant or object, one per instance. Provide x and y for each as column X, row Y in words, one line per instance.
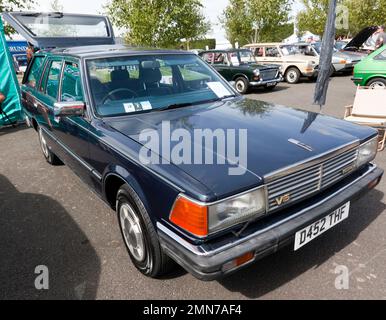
column 194, row 249
column 318, row 159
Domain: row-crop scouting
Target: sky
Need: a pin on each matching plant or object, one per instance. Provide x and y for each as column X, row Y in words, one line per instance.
column 213, row 9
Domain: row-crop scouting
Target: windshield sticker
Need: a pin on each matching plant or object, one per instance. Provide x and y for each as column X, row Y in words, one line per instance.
column 137, row 106
column 219, row 89
column 146, row 105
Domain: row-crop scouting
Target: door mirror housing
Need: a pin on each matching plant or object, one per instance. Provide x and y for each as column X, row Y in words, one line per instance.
column 69, row 109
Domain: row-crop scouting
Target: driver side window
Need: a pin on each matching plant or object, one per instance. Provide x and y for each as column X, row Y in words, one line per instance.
column 71, row 83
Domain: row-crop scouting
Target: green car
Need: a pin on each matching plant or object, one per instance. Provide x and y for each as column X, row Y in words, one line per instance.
column 239, row 67
column 371, row 71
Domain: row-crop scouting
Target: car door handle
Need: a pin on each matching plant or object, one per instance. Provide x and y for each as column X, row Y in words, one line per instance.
column 35, row 105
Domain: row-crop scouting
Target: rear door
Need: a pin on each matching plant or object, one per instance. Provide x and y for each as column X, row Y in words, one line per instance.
column 51, row 30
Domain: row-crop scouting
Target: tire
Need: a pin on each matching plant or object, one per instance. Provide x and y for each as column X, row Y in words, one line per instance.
column 139, row 235
column 377, row 83
column 292, row 75
column 50, row 157
column 242, row 85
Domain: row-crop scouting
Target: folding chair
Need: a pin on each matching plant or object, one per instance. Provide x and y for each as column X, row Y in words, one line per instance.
column 369, row 109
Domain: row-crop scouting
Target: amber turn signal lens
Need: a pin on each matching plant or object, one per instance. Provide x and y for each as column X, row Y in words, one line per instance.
column 190, row 217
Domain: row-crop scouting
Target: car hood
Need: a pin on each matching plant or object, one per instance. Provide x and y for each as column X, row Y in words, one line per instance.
column 269, row 129
column 361, row 38
column 347, row 56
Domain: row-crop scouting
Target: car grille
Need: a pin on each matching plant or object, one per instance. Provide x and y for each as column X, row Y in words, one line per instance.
column 269, row 74
column 303, row 183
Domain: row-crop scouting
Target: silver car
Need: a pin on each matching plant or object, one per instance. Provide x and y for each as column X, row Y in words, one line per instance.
column 342, row 61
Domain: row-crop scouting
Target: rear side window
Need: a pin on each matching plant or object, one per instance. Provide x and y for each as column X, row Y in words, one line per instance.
column 35, row 72
column 71, row 84
column 53, row 79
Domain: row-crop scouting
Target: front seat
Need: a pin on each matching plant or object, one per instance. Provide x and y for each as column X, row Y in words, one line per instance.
column 151, row 78
column 120, row 78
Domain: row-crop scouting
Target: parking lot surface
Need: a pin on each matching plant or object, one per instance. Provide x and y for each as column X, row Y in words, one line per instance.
column 49, row 217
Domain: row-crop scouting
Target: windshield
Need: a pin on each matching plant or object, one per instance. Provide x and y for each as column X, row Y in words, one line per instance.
column 289, row 50
column 137, row 84
column 246, row 56
column 59, row 25
column 318, row 47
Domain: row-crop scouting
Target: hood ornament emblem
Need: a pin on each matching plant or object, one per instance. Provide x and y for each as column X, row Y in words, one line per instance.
column 301, row 145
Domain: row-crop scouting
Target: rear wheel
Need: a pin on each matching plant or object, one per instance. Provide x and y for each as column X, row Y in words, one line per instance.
column 139, row 235
column 377, row 83
column 50, row 157
column 292, row 75
column 242, row 85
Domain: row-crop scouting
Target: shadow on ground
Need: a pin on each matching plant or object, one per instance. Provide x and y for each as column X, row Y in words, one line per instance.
column 9, row 129
column 36, row 230
column 279, row 269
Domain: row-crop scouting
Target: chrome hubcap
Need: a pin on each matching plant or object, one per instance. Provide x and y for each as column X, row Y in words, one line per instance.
column 377, row 85
column 292, row 76
column 132, row 232
column 43, row 143
column 240, row 86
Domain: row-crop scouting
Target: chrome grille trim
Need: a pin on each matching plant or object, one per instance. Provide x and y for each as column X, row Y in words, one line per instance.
column 269, row 74
column 311, row 177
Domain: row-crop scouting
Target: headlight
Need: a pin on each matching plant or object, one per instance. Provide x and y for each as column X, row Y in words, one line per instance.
column 367, row 152
column 236, row 210
column 202, row 219
column 256, row 72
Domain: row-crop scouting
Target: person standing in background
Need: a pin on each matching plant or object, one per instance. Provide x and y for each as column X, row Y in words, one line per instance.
column 381, row 38
column 30, row 53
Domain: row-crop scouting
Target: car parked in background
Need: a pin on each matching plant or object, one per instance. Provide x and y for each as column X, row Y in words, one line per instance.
column 371, row 71
column 20, row 63
column 363, row 43
column 295, row 61
column 94, row 107
column 342, row 61
column 240, row 67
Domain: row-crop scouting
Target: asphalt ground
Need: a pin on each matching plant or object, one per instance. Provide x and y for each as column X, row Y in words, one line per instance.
column 49, row 217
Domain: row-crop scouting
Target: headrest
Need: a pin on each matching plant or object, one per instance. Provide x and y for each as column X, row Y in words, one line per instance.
column 151, row 64
column 151, row 75
column 119, row 75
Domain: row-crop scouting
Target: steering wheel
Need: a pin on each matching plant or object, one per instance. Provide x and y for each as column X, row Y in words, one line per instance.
column 114, row 92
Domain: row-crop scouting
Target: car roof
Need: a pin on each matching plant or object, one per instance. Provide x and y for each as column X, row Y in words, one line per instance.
column 263, row 44
column 225, row 50
column 108, row 51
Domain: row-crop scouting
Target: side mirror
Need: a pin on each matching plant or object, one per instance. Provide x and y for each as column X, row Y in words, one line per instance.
column 69, row 109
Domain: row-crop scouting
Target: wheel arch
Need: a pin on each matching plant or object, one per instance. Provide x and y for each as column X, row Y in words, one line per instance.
column 375, row 77
column 114, row 180
column 240, row 75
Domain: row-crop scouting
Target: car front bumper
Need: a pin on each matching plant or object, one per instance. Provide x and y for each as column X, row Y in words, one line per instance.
column 265, row 82
column 206, row 262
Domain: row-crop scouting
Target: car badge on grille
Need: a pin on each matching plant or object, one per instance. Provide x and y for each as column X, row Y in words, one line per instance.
column 283, row 199
column 301, row 144
column 348, row 169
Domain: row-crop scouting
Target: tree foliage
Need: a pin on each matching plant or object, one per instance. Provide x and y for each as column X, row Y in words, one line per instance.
column 159, row 23
column 361, row 14
column 248, row 21
column 11, row 5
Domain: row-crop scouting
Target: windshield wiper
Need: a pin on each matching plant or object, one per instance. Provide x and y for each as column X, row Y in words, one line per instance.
column 189, row 104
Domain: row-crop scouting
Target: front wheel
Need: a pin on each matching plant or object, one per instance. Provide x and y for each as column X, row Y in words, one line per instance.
column 292, row 75
column 242, row 85
column 139, row 235
column 377, row 83
column 50, row 157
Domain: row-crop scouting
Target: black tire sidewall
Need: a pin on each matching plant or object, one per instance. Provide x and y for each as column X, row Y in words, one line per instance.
column 245, row 82
column 297, row 75
column 370, row 82
column 151, row 264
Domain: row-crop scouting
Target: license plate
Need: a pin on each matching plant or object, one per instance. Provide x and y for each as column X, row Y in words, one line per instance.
column 271, row 84
column 315, row 230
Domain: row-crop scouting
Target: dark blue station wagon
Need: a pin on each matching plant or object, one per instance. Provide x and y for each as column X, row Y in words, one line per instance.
column 93, row 105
